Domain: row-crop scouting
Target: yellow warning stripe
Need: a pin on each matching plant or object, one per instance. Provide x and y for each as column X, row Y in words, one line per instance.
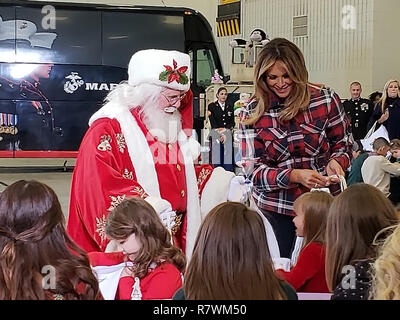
column 228, row 27
column 225, row 31
column 228, row 1
column 237, row 26
column 233, row 27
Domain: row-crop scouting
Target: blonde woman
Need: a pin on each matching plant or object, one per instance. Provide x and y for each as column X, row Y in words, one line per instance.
column 295, row 138
column 387, row 110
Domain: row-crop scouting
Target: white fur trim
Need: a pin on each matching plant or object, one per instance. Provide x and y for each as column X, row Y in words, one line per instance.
column 109, row 110
column 159, row 204
column 193, row 203
column 192, row 148
column 216, row 190
column 271, row 238
column 146, row 66
column 145, row 171
column 108, row 277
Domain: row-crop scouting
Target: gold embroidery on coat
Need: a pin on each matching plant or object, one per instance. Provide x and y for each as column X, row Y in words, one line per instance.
column 115, row 201
column 101, row 227
column 178, row 222
column 140, row 192
column 203, row 176
column 127, row 174
column 121, row 142
column 104, row 144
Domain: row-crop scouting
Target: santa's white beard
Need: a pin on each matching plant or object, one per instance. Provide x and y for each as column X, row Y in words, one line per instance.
column 161, row 125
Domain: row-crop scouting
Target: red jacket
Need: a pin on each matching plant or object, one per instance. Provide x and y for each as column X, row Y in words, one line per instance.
column 159, row 283
column 308, row 275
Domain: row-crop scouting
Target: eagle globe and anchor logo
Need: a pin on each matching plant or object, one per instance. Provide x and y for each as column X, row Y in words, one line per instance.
column 75, row 81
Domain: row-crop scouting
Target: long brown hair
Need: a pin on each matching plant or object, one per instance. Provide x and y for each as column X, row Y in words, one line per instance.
column 354, row 219
column 33, row 237
column 280, row 49
column 315, row 206
column 231, row 259
column 135, row 215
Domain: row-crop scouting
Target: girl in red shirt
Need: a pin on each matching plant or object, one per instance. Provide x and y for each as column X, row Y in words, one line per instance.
column 147, row 265
column 308, row 275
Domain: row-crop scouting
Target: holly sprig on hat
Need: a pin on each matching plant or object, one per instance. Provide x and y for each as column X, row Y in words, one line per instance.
column 174, row 73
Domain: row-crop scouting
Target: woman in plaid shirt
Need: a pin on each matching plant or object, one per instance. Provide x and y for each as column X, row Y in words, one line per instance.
column 294, row 136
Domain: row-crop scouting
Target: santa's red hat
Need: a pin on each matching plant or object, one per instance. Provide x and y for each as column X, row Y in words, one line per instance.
column 167, row 68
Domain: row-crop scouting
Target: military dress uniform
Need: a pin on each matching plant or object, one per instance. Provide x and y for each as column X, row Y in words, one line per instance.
column 35, row 118
column 359, row 112
column 8, row 116
column 222, row 117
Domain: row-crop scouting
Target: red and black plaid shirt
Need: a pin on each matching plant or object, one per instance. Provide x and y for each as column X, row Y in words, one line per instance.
column 271, row 150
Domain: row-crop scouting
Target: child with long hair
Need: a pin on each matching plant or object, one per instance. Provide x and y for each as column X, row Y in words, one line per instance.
column 356, row 216
column 308, row 275
column 231, row 260
column 147, row 266
column 38, row 260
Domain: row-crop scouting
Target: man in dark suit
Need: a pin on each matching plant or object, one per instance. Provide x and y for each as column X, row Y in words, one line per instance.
column 222, row 121
column 358, row 110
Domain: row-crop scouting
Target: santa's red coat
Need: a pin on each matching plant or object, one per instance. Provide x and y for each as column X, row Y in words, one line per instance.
column 104, row 176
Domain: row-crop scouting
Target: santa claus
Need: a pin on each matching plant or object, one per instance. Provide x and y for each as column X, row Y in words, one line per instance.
column 139, row 144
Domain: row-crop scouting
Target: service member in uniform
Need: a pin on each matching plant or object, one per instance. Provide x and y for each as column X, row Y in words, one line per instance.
column 8, row 116
column 222, row 122
column 35, row 114
column 358, row 110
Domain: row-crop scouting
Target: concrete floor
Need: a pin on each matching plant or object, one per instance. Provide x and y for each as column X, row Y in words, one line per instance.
column 60, row 182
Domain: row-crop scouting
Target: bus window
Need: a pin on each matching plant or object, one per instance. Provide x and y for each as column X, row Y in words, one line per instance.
column 205, row 68
column 137, row 31
column 190, row 53
column 71, row 42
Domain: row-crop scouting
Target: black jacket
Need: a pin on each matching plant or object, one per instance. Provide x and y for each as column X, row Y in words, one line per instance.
column 362, row 283
column 392, row 123
column 221, row 118
column 359, row 112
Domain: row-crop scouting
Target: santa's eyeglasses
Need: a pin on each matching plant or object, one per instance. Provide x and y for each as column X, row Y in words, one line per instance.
column 174, row 99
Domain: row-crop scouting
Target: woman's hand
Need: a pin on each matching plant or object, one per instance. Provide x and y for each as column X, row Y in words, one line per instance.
column 334, row 168
column 384, row 116
column 308, row 178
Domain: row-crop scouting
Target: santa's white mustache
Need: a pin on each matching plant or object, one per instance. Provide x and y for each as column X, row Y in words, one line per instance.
column 170, row 109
